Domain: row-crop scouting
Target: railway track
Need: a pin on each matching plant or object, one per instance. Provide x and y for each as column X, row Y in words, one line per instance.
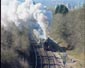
column 44, row 59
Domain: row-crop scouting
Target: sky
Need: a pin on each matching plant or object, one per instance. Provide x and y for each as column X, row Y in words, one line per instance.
column 55, row 2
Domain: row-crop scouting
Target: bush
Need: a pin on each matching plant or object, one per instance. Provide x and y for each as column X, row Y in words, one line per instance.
column 70, row 28
column 11, row 41
column 8, row 56
column 61, row 9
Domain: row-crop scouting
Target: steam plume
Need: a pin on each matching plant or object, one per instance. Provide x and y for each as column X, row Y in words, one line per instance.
column 32, row 16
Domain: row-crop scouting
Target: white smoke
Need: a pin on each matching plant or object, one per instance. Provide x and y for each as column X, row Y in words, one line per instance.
column 26, row 14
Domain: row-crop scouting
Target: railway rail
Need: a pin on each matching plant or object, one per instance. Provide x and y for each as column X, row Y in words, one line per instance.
column 44, row 59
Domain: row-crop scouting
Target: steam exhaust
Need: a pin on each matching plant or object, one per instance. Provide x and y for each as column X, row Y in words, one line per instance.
column 33, row 16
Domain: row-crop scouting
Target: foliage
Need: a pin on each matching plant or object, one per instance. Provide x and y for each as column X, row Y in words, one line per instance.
column 12, row 40
column 61, row 9
column 70, row 28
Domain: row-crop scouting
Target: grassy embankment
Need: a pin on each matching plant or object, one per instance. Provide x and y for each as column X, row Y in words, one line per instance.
column 69, row 29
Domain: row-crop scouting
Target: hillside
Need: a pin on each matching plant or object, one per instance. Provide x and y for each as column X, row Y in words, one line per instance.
column 69, row 30
column 15, row 48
